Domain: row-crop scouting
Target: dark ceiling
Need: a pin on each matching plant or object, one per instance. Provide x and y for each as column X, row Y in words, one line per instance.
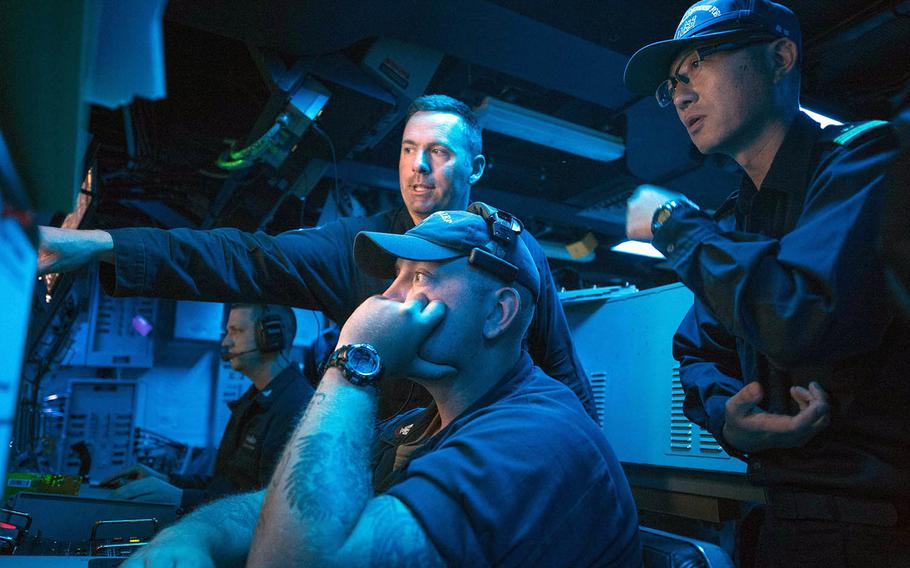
column 565, row 59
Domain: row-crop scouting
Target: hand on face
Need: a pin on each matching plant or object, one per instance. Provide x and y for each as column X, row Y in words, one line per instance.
column 749, row 429
column 397, row 330
column 640, row 210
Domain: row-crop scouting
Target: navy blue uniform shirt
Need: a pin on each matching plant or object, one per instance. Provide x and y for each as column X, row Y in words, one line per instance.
column 309, row 268
column 260, row 426
column 520, row 478
column 789, row 288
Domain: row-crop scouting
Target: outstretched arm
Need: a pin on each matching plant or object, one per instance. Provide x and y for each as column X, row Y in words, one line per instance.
column 297, row 268
column 304, row 268
column 65, row 250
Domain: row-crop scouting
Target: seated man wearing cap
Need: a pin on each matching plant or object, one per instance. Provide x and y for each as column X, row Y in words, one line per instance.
column 792, row 355
column 504, row 468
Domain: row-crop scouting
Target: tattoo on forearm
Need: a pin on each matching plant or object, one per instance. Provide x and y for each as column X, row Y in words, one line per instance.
column 310, row 466
column 324, row 462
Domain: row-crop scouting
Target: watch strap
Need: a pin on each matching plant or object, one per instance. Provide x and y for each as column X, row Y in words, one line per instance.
column 663, row 213
column 340, row 359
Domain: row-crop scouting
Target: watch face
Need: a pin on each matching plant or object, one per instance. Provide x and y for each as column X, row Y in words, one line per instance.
column 363, row 360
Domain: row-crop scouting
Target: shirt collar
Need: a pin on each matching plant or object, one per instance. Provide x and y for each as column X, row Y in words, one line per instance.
column 401, row 221
column 272, row 390
column 790, row 168
column 409, row 426
column 414, row 424
column 504, row 386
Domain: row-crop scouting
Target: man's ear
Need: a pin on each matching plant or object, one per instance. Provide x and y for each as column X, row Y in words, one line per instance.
column 478, row 163
column 502, row 313
column 784, row 57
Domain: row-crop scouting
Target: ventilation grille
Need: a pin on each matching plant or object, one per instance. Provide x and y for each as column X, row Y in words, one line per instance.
column 599, row 390
column 680, row 427
column 685, row 437
column 708, row 445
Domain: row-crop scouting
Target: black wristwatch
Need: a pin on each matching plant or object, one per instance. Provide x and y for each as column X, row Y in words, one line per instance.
column 663, row 213
column 359, row 363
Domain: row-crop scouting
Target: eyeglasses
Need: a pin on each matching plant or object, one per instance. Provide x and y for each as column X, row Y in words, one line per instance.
column 667, row 89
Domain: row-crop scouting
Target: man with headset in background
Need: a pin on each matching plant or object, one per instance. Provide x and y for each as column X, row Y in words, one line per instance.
column 257, row 342
column 440, row 160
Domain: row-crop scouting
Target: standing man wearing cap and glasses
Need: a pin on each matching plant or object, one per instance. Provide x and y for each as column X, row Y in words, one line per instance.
column 503, row 469
column 792, row 356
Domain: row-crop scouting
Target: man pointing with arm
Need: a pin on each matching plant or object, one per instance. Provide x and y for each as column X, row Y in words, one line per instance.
column 440, row 159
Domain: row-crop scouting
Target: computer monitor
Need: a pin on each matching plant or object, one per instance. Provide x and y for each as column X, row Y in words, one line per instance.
column 17, row 276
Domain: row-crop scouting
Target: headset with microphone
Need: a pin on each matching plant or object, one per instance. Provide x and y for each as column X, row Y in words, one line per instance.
column 227, row 355
column 270, row 335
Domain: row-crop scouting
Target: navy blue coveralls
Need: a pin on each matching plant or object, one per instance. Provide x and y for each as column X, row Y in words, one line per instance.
column 789, row 288
column 260, row 426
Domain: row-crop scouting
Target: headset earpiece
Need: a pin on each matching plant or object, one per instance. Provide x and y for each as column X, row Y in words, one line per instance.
column 504, row 229
column 269, row 332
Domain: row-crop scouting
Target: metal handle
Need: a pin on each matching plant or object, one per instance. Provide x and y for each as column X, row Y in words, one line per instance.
column 26, row 516
column 98, row 524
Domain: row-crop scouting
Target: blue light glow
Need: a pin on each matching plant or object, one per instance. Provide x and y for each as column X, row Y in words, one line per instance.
column 820, row 118
column 639, row 248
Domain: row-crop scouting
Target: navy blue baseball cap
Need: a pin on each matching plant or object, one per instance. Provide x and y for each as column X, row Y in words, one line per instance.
column 444, row 235
column 709, row 21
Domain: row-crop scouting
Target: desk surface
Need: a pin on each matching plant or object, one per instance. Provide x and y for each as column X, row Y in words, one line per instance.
column 58, row 562
column 723, row 485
